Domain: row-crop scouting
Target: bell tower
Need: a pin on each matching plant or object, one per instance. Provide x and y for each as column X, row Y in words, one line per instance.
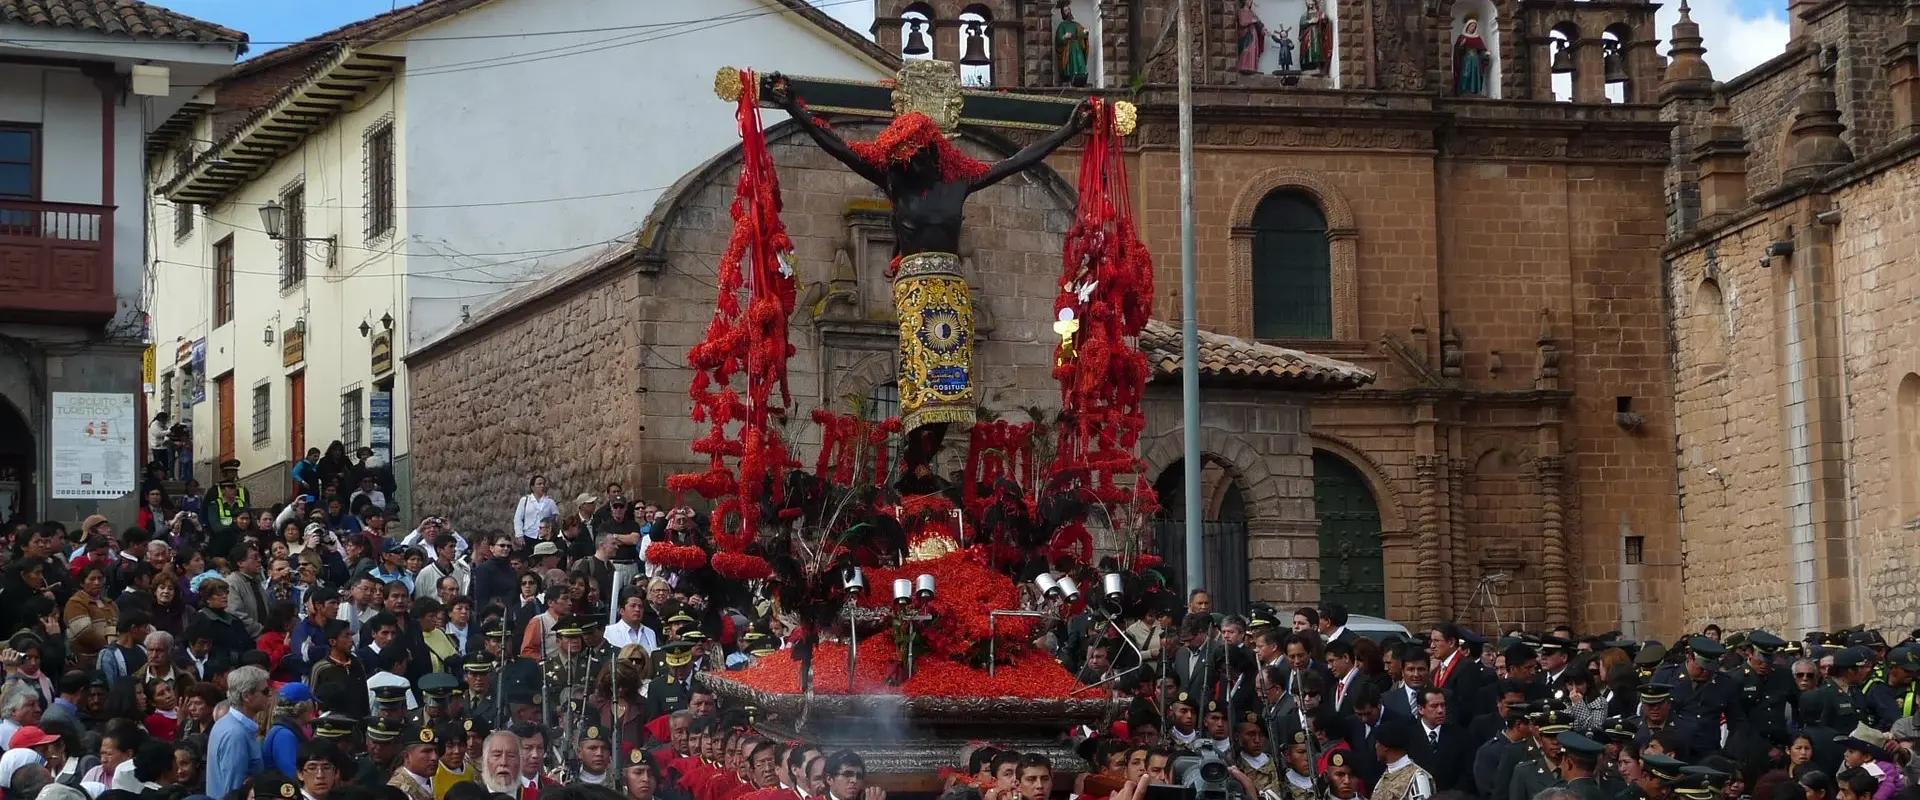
column 1585, row 52
column 982, row 36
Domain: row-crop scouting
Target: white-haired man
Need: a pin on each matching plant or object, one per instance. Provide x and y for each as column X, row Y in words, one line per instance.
column 233, row 749
column 500, row 763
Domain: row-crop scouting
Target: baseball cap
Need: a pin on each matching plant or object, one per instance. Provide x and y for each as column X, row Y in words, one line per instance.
column 31, row 736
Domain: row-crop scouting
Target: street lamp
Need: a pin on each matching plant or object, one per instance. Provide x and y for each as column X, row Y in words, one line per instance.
column 273, row 218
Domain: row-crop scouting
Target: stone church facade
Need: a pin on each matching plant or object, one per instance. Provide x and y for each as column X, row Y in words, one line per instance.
column 1494, row 263
column 1792, row 284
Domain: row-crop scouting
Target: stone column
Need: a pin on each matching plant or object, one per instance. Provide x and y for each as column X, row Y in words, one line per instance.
column 1426, row 470
column 1462, row 578
column 1553, row 550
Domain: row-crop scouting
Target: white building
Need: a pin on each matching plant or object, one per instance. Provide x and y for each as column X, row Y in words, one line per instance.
column 432, row 159
column 83, row 86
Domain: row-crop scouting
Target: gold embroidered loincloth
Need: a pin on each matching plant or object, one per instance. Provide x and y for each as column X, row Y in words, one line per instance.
column 936, row 340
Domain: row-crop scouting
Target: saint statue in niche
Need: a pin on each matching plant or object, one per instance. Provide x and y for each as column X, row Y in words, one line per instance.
column 1471, row 60
column 1316, row 38
column 1283, row 49
column 1253, row 39
column 1070, row 46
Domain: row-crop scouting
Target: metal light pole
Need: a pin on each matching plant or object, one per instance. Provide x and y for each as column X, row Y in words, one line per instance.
column 1189, row 316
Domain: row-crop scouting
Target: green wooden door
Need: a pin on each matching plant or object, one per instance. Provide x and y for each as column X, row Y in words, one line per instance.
column 1351, row 571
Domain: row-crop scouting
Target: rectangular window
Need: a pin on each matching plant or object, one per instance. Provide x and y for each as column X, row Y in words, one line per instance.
column 223, row 282
column 262, row 413
column 182, row 212
column 19, row 162
column 352, row 419
column 293, row 251
column 1636, row 550
column 380, row 179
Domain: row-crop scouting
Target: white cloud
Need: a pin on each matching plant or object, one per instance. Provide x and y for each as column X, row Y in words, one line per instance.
column 1736, row 40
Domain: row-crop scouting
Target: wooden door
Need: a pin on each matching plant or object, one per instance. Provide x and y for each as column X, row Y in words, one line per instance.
column 1351, row 568
column 224, row 392
column 297, row 415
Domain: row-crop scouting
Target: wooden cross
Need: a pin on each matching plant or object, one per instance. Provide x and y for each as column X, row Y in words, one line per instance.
column 931, row 87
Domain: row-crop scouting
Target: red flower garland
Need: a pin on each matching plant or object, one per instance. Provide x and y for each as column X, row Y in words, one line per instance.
column 997, row 449
column 751, row 340
column 740, row 567
column 1102, row 374
column 676, row 556
column 907, row 135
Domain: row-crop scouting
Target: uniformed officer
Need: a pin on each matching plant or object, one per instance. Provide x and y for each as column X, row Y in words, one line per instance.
column 1493, row 763
column 1706, row 701
column 1833, row 708
column 565, row 674
column 593, row 757
column 1766, row 691
column 1542, row 772
column 1616, row 731
column 1656, row 710
column 1669, row 670
column 437, row 698
column 593, row 642
column 1649, row 659
column 419, row 756
column 375, row 766
column 390, row 703
column 1661, row 773
column 477, row 671
column 1579, row 763
column 1891, row 698
column 339, row 729
column 668, row 692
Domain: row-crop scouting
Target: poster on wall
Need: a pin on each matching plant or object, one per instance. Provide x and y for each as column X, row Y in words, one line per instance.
column 95, row 442
column 380, row 426
column 198, row 390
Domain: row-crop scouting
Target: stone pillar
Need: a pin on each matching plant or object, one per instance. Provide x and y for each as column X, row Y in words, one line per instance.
column 1590, row 70
column 1553, row 550
column 1426, row 470
column 1903, row 74
column 1540, row 57
column 1796, row 27
column 1721, row 159
column 1817, row 146
column 1462, row 579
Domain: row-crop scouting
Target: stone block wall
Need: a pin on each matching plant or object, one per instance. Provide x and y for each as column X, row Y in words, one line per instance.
column 548, row 389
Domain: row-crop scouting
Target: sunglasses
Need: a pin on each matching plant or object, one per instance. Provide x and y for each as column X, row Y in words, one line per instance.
column 850, row 775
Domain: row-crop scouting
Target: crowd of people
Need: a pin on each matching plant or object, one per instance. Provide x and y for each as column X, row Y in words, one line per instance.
column 316, row 648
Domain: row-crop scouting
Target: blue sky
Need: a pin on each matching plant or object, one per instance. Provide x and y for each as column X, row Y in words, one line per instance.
column 1739, row 33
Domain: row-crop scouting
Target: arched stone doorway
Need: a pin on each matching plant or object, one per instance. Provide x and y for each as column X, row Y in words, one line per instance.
column 1223, row 530
column 17, row 449
column 1352, row 571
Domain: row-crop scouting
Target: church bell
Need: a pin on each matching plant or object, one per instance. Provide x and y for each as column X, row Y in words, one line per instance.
column 976, row 50
column 916, row 38
column 1616, row 68
column 1563, row 59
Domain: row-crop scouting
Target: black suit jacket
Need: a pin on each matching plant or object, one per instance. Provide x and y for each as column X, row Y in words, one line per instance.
column 1366, row 761
column 1446, row 763
column 1396, row 704
column 1463, row 688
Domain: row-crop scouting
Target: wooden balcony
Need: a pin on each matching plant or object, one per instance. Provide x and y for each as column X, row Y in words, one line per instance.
column 56, row 262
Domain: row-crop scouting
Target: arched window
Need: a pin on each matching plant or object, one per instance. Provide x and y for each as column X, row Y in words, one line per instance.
column 1709, row 329
column 1613, row 46
column 976, row 47
column 1292, row 269
column 1907, row 447
column 883, row 402
column 1566, row 62
column 916, row 32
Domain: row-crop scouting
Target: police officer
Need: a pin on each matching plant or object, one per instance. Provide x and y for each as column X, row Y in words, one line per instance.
column 1766, row 690
column 419, row 757
column 669, row 692
column 390, row 703
column 1891, row 698
column 339, row 729
column 1705, row 697
column 565, row 674
column 1661, row 772
column 1656, row 710
column 1579, row 762
column 1834, row 707
column 1542, row 771
column 375, row 766
column 1616, row 731
column 478, row 673
column 436, row 698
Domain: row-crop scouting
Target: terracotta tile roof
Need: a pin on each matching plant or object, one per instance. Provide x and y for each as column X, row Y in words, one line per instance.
column 1237, row 360
column 129, row 18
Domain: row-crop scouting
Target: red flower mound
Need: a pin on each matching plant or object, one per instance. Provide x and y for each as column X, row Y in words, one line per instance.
column 965, row 591
column 1035, row 676
column 677, row 556
column 906, row 136
column 738, row 566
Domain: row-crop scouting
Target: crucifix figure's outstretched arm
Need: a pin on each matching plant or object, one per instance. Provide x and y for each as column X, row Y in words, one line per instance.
column 1032, row 154
column 828, row 140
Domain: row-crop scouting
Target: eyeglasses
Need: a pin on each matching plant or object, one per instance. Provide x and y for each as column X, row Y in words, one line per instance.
column 320, row 768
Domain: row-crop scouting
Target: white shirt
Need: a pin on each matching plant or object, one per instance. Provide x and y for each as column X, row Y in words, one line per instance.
column 383, row 678
column 620, row 634
column 528, row 513
column 1340, row 689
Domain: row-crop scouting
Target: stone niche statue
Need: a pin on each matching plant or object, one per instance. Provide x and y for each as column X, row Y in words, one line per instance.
column 1472, row 62
column 1316, row 39
column 1071, row 45
column 1253, row 39
column 1283, row 49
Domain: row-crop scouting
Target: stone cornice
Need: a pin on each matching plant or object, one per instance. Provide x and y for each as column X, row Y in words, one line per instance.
column 1529, row 398
column 1710, row 228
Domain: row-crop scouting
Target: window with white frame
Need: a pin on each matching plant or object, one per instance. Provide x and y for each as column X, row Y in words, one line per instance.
column 353, row 419
column 262, row 413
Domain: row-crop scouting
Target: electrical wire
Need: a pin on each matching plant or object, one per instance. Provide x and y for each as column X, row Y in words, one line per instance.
column 461, row 38
column 379, row 251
